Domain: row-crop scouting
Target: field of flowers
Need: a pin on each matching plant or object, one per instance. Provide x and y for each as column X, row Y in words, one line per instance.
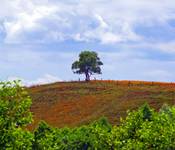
column 75, row 103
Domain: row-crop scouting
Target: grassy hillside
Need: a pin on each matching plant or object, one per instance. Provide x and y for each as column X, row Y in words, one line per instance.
column 75, row 103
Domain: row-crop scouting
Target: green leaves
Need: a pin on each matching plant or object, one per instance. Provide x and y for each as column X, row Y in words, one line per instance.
column 88, row 63
column 146, row 129
column 92, row 136
column 14, row 115
column 15, row 104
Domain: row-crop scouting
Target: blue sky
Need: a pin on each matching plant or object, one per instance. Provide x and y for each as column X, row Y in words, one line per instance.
column 40, row 39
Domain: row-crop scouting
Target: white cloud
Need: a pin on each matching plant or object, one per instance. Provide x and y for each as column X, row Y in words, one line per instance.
column 84, row 20
column 168, row 47
column 102, row 23
column 25, row 20
column 45, row 79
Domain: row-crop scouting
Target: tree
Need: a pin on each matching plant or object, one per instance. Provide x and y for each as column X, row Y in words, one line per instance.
column 89, row 63
column 15, row 115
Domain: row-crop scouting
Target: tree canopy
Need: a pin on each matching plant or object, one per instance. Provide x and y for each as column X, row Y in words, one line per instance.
column 89, row 63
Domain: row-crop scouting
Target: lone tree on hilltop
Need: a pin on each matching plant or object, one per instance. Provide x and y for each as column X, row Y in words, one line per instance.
column 89, row 63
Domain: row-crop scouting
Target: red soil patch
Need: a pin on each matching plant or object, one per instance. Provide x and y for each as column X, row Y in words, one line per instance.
column 75, row 103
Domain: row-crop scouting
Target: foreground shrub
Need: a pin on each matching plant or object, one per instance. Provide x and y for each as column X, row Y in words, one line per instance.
column 146, row 129
column 14, row 116
column 92, row 136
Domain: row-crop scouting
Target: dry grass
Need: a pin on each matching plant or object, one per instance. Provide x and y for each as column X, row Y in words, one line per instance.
column 75, row 103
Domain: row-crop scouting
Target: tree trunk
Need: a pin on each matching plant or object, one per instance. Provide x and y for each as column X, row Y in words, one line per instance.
column 87, row 76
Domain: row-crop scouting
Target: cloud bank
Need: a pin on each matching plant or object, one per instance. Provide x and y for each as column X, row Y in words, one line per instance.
column 47, row 78
column 81, row 20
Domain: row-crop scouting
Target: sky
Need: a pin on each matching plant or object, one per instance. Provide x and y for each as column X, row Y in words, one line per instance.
column 39, row 40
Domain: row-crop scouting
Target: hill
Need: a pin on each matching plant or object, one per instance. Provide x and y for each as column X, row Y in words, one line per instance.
column 75, row 103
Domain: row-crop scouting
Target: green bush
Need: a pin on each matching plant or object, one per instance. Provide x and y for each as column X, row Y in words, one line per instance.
column 91, row 136
column 14, row 116
column 156, row 131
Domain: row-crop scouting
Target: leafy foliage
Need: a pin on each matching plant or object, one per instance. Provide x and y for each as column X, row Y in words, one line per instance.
column 88, row 63
column 14, row 105
column 137, row 132
column 14, row 116
column 91, row 136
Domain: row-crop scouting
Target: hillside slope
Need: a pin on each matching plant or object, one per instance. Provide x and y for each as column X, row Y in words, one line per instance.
column 75, row 103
